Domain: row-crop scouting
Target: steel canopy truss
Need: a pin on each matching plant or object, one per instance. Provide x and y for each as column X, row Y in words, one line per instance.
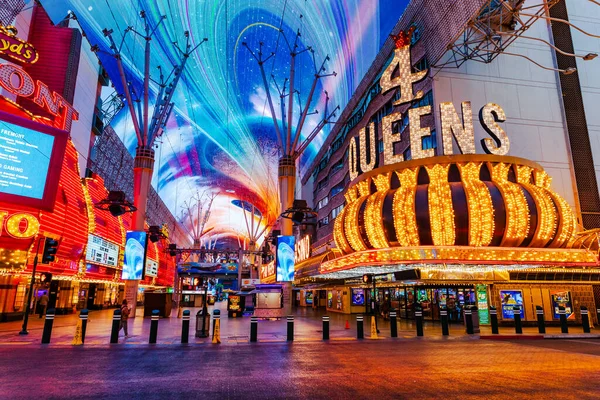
column 495, row 27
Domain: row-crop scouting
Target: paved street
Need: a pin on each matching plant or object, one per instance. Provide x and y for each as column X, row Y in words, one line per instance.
column 403, row 368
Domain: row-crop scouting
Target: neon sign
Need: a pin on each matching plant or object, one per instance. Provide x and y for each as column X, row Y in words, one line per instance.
column 15, row 48
column 20, row 225
column 363, row 158
column 15, row 80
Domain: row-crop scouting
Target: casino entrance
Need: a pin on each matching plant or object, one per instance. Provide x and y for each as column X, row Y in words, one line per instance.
column 429, row 298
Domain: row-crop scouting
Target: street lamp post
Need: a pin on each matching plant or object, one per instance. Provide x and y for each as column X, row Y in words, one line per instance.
column 290, row 147
column 147, row 128
column 30, row 294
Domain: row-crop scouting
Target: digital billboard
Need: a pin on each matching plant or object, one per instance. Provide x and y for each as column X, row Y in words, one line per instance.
column 31, row 157
column 285, row 258
column 135, row 255
column 358, row 297
column 562, row 298
column 101, row 251
column 151, row 268
column 509, row 300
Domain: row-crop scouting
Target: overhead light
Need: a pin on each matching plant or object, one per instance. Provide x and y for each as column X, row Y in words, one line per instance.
column 116, row 204
column 569, row 71
column 590, row 56
column 230, row 191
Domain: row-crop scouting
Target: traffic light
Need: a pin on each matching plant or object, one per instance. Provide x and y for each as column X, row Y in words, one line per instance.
column 45, row 277
column 50, row 248
column 368, row 278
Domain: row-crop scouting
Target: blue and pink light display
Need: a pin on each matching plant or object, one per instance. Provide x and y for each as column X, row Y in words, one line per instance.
column 220, row 135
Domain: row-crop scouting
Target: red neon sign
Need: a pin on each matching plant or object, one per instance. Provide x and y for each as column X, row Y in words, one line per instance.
column 18, row 82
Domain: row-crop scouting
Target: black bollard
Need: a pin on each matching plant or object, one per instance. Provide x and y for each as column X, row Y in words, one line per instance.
column 540, row 319
column 393, row 324
column 48, row 322
column 185, row 326
column 444, row 319
column 290, row 328
column 83, row 315
column 494, row 320
column 469, row 321
column 114, row 334
column 598, row 315
column 360, row 332
column 563, row 320
column 153, row 327
column 325, row 327
column 419, row 320
column 585, row 319
column 517, row 318
column 253, row 329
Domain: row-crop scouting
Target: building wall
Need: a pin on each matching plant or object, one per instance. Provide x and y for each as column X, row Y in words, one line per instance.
column 530, row 97
column 85, row 102
column 586, row 15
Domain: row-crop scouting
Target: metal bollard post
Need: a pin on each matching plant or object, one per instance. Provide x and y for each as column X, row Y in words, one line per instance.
column 419, row 320
column 469, row 321
column 216, row 327
column 393, row 324
column 114, row 334
column 540, row 319
column 585, row 319
column 598, row 316
column 185, row 327
column 290, row 328
column 563, row 320
column 444, row 319
column 360, row 333
column 325, row 327
column 517, row 318
column 48, row 322
column 83, row 315
column 494, row 320
column 153, row 327
column 253, row 329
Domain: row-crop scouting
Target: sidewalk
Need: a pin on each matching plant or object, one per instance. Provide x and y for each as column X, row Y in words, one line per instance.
column 307, row 327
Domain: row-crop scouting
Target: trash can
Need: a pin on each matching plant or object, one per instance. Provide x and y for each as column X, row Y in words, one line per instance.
column 202, row 324
column 474, row 316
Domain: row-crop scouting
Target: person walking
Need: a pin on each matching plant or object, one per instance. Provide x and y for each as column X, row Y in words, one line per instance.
column 42, row 304
column 124, row 316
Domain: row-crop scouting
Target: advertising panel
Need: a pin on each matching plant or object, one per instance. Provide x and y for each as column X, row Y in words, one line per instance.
column 562, row 298
column 510, row 299
column 31, row 157
column 358, row 297
column 101, row 251
column 482, row 304
column 309, row 297
column 285, row 258
column 151, row 268
column 135, row 255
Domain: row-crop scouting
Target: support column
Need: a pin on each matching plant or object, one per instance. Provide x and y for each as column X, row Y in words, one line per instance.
column 143, row 165
column 287, row 184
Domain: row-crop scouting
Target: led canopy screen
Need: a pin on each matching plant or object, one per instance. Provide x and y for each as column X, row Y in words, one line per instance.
column 30, row 161
column 285, row 258
column 135, row 255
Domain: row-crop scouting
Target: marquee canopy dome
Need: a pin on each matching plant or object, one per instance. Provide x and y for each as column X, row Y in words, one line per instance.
column 461, row 200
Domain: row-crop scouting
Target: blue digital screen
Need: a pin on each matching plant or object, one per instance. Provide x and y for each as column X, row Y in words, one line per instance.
column 24, row 160
column 509, row 300
column 285, row 258
column 135, row 255
column 358, row 297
